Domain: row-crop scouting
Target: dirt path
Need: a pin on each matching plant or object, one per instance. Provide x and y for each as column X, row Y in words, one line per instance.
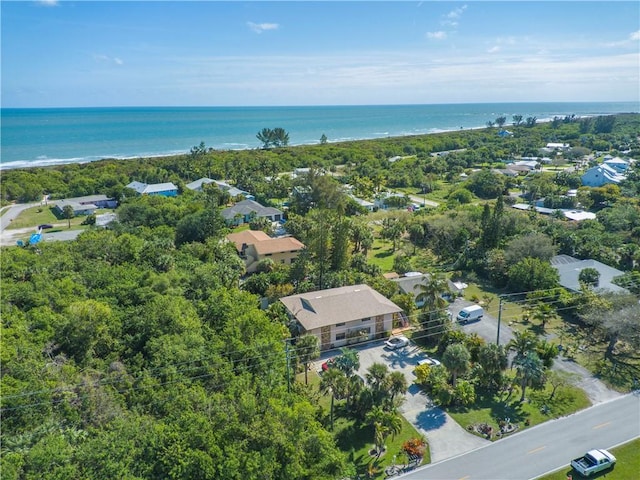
column 10, row 237
column 596, row 390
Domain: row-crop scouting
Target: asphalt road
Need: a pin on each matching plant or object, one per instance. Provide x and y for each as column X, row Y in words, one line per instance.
column 8, row 237
column 543, row 448
column 12, row 213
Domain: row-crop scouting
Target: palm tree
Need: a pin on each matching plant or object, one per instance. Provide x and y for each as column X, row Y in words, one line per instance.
column 280, row 137
column 431, row 294
column 416, row 235
column 392, row 422
column 493, row 360
column 543, row 312
column 377, row 378
column 376, row 375
column 307, row 350
column 523, row 342
column 547, row 352
column 397, row 385
column 530, row 371
column 385, row 423
column 348, row 361
column 266, row 137
column 355, row 386
column 333, row 381
column 68, row 213
column 456, row 358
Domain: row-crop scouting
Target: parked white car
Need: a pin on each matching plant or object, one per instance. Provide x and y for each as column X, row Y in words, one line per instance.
column 432, row 362
column 396, row 342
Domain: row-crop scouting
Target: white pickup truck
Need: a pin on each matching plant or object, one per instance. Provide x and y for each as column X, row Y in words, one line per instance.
column 592, row 462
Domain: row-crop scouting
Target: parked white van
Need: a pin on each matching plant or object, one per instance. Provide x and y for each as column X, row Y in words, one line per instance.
column 470, row 314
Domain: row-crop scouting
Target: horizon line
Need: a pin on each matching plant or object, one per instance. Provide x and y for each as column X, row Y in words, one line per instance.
column 325, row 105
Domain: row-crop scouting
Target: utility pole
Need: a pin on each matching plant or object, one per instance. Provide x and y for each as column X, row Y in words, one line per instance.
column 499, row 320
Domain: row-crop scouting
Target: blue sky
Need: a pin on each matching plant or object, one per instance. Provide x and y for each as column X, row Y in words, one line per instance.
column 85, row 53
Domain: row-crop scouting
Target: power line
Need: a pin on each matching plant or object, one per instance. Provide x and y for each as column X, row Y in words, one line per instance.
column 442, row 328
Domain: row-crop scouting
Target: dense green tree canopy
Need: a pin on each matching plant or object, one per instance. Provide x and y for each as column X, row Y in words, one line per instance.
column 114, row 368
column 138, row 352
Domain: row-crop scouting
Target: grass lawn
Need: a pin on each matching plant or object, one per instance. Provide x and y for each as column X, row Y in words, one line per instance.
column 626, row 468
column 538, row 408
column 381, row 254
column 34, row 216
column 241, row 228
column 488, row 297
column 356, row 439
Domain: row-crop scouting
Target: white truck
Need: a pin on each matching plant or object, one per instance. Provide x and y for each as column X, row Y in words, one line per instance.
column 593, row 462
column 470, row 314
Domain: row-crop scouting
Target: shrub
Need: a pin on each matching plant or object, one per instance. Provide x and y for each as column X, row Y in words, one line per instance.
column 414, row 446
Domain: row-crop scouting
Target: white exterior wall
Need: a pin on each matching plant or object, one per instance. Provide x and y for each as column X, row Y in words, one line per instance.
column 336, row 340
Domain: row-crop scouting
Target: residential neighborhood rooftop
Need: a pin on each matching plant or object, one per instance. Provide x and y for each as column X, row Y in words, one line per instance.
column 335, row 305
column 247, row 207
column 569, row 269
column 144, row 188
column 278, row 245
column 247, row 237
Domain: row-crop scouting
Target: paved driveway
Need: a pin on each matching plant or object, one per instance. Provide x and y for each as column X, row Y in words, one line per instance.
column 486, row 328
column 446, row 438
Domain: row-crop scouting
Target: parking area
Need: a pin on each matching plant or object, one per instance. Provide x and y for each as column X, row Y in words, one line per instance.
column 487, row 327
column 446, row 438
column 403, row 359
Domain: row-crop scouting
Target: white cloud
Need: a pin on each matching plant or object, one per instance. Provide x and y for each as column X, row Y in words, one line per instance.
column 102, row 58
column 437, row 35
column 494, row 49
column 633, row 37
column 457, row 12
column 48, row 3
column 449, row 21
column 451, row 18
column 262, row 27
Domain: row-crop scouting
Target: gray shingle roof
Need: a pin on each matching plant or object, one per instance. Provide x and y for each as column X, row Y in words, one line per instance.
column 245, row 207
column 569, row 269
column 197, row 184
column 336, row 305
column 143, row 188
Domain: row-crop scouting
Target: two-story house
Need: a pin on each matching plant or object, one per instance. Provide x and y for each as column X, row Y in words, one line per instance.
column 343, row 316
column 255, row 245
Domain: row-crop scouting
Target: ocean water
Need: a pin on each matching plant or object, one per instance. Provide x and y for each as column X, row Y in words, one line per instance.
column 50, row 136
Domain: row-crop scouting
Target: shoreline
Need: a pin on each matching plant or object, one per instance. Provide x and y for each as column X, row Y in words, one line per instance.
column 45, row 163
